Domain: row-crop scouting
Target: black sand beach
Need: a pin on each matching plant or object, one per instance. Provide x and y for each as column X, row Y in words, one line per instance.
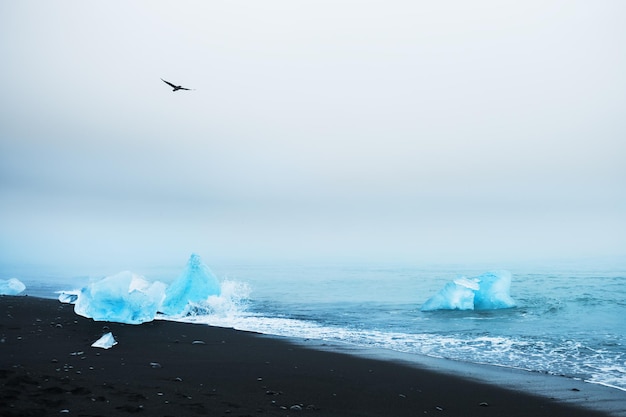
column 48, row 367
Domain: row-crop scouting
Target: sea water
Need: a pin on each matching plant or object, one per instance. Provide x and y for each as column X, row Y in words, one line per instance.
column 568, row 321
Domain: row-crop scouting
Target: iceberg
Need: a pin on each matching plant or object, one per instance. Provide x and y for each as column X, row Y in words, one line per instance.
column 488, row 291
column 129, row 298
column 194, row 286
column 11, row 286
column 105, row 342
column 124, row 298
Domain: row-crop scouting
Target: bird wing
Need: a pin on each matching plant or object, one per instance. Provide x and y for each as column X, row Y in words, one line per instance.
column 169, row 83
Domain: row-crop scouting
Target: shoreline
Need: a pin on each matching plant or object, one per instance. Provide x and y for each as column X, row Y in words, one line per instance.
column 555, row 387
column 167, row 368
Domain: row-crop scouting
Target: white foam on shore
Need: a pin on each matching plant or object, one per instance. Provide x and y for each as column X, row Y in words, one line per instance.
column 578, row 392
column 586, row 393
column 420, row 348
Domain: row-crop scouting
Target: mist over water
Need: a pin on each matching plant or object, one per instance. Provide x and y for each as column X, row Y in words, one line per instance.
column 394, row 131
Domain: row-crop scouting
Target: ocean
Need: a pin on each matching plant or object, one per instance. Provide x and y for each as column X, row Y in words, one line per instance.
column 568, row 321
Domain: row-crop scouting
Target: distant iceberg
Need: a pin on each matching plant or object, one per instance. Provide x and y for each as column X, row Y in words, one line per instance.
column 194, row 286
column 11, row 286
column 488, row 291
column 124, row 297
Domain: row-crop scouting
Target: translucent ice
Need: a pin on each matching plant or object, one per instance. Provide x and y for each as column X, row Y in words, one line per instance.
column 68, row 296
column 105, row 342
column 11, row 286
column 195, row 285
column 494, row 291
column 487, row 292
column 456, row 295
column 124, row 298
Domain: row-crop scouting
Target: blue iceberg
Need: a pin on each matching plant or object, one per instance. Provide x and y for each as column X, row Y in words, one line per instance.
column 488, row 291
column 194, row 286
column 11, row 286
column 124, row 298
column 128, row 298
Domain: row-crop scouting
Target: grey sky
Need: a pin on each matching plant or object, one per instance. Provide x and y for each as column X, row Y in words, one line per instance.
column 391, row 130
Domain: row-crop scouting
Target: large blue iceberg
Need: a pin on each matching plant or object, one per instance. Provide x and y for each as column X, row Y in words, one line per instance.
column 11, row 286
column 124, row 297
column 195, row 285
column 488, row 291
column 129, row 298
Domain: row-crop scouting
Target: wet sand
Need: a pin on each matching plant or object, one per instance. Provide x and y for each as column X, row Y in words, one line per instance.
column 48, row 367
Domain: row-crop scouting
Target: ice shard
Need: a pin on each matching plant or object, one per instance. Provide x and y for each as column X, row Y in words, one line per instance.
column 105, row 342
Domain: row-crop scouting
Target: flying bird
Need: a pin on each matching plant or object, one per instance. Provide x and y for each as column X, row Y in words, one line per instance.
column 175, row 87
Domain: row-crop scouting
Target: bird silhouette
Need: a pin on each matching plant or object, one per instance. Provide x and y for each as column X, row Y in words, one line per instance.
column 175, row 87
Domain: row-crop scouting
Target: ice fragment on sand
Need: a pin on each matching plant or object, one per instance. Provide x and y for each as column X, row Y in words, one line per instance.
column 11, row 286
column 68, row 297
column 124, row 298
column 488, row 291
column 105, row 342
column 195, row 285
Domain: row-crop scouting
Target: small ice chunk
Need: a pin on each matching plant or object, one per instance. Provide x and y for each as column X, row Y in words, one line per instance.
column 11, row 286
column 69, row 296
column 105, row 342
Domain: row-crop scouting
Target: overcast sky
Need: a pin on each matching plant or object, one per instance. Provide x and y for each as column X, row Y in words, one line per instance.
column 341, row 130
